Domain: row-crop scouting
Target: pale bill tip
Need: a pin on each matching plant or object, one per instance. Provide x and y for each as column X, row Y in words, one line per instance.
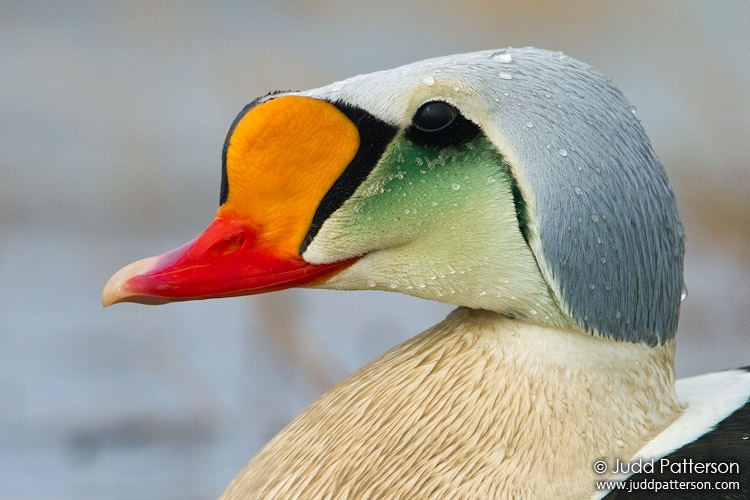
column 116, row 290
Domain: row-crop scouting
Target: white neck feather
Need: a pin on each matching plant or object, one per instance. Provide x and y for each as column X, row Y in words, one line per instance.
column 477, row 406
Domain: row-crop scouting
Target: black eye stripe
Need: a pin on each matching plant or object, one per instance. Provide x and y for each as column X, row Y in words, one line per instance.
column 439, row 124
column 375, row 135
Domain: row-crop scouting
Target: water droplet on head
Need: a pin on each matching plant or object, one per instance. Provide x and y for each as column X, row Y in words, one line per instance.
column 578, row 190
column 505, row 75
column 503, row 57
column 529, row 124
column 428, row 80
column 618, row 314
column 684, row 293
column 371, row 283
column 456, row 187
column 563, row 152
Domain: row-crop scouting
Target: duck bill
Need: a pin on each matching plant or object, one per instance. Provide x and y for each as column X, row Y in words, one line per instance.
column 228, row 259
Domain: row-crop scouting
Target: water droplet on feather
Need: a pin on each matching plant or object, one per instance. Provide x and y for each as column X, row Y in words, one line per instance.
column 503, row 57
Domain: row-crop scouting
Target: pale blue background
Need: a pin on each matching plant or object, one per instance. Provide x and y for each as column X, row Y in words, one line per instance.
column 112, row 118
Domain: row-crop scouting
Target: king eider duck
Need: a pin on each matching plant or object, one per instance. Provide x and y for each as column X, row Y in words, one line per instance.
column 519, row 186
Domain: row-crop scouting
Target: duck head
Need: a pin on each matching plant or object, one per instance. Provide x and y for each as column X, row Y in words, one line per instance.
column 517, row 181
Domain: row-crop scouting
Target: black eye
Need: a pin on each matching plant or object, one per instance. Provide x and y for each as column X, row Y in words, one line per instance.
column 437, row 124
column 433, row 116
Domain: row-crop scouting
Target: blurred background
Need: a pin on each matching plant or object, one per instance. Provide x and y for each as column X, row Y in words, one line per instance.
column 112, row 119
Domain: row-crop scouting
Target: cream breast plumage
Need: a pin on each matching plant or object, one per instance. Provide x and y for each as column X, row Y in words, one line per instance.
column 515, row 184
